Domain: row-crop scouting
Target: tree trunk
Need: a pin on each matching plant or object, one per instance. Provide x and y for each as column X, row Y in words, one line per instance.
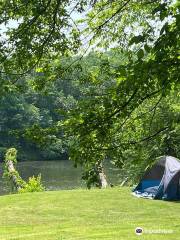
column 102, row 177
column 14, row 176
column 124, row 182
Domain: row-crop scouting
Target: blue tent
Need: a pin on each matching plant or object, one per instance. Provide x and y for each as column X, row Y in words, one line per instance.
column 161, row 181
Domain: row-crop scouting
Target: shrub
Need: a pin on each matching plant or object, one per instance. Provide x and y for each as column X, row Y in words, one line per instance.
column 33, row 185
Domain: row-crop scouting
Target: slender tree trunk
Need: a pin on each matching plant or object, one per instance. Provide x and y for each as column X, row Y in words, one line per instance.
column 14, row 176
column 102, row 177
column 124, row 182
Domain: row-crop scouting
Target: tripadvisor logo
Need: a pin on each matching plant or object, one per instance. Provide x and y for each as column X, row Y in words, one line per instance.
column 138, row 231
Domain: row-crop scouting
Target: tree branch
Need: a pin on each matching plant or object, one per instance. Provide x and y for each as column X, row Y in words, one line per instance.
column 113, row 15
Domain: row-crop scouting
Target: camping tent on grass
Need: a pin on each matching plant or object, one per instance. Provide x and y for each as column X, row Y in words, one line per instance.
column 162, row 181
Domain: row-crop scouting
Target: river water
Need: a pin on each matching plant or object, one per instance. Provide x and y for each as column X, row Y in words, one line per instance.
column 56, row 175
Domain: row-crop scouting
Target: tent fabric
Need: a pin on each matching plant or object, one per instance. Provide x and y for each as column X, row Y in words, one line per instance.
column 162, row 181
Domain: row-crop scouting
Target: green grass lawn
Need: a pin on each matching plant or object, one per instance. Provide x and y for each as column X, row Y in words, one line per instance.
column 86, row 214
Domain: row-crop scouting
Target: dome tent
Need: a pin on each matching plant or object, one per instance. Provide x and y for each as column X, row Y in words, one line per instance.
column 161, row 181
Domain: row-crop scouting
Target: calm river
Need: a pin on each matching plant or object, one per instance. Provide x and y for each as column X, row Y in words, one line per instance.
column 55, row 175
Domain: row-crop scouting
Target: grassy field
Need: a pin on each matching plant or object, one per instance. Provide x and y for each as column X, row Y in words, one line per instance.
column 83, row 214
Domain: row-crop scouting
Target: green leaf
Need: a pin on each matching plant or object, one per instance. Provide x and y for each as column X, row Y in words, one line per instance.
column 140, row 54
column 136, row 39
column 147, row 48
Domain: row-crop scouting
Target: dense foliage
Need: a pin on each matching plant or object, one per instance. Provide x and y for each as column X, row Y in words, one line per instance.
column 129, row 129
column 26, row 117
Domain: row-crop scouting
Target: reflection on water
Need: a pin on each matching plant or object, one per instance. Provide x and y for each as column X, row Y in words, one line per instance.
column 55, row 175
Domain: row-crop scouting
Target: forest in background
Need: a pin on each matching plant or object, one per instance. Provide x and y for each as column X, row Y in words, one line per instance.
column 28, row 109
